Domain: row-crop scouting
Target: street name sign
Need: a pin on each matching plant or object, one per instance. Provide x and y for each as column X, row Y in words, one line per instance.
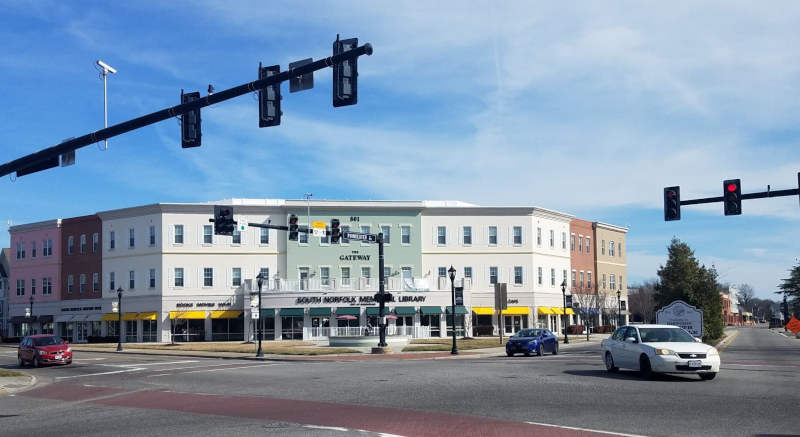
column 255, row 315
column 358, row 236
column 683, row 315
column 317, row 232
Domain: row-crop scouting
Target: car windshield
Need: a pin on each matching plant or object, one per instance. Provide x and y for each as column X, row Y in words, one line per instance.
column 659, row 335
column 528, row 333
column 47, row 341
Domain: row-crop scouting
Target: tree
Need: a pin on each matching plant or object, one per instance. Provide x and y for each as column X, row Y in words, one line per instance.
column 642, row 302
column 746, row 295
column 791, row 285
column 684, row 278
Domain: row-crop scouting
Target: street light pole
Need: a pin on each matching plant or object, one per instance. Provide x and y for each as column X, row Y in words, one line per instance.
column 619, row 308
column 105, row 70
column 452, row 271
column 259, row 324
column 564, row 294
column 31, row 328
column 119, row 328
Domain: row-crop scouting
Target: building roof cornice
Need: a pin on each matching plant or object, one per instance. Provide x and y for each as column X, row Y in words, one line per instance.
column 609, row 227
column 47, row 224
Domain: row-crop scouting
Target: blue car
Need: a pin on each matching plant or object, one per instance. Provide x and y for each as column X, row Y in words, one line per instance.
column 532, row 341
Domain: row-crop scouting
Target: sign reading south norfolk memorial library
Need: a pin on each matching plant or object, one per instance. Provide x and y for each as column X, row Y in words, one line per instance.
column 681, row 314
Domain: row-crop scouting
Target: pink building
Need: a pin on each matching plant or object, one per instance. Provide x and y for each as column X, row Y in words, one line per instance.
column 35, row 277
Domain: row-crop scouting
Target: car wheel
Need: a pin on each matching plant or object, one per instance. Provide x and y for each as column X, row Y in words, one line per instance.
column 708, row 376
column 36, row 362
column 20, row 361
column 510, row 354
column 555, row 349
column 539, row 351
column 610, row 363
column 645, row 370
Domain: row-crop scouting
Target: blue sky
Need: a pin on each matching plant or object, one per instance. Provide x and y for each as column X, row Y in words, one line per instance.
column 589, row 108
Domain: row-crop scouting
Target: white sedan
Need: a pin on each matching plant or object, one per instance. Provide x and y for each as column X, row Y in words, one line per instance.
column 659, row 349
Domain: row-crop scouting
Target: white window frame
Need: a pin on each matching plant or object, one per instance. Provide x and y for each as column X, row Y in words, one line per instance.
column 112, row 240
column 70, row 283
column 237, row 233
column 152, row 278
column 233, row 277
column 389, row 233
column 552, row 239
column 368, row 230
column 496, row 275
column 538, row 236
column 323, row 278
column 552, row 277
column 563, row 240
column 210, row 234
column 496, row 235
column 588, row 244
column 405, row 226
column 539, row 278
column 70, row 246
column 175, row 234
column 514, row 236
column 211, row 278
column 521, row 275
column 464, row 235
column 152, row 236
column 82, row 283
column 131, row 279
column 439, row 237
column 112, row 281
column 95, row 282
column 349, row 277
column 261, row 234
column 175, row 277
column 95, row 242
column 82, row 246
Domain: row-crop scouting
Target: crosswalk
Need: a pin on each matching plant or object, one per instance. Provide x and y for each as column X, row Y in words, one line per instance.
column 155, row 369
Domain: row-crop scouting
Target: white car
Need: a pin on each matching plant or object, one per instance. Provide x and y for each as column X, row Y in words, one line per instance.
column 659, row 349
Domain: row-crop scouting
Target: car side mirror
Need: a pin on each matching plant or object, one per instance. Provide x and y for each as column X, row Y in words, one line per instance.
column 631, row 340
column 698, row 339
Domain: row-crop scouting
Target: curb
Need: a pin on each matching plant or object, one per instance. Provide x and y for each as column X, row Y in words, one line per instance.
column 6, row 391
column 725, row 342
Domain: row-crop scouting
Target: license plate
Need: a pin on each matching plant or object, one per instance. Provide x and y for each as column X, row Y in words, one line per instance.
column 58, row 357
column 694, row 363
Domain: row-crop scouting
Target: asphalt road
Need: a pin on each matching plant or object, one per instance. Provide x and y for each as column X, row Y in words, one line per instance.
column 108, row 394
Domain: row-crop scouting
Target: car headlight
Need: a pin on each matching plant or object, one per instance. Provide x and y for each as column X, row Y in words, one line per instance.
column 41, row 352
column 69, row 349
column 713, row 351
column 665, row 352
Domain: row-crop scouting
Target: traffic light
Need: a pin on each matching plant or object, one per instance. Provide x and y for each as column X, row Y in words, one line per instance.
column 732, row 196
column 223, row 220
column 569, row 301
column 345, row 74
column 269, row 98
column 190, row 122
column 292, row 227
column 672, row 203
column 336, row 233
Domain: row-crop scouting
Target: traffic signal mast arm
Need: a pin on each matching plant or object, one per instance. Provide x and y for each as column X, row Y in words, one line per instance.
column 760, row 195
column 50, row 153
column 301, row 229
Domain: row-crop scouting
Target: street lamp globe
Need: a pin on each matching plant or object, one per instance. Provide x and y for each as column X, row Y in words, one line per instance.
column 452, row 272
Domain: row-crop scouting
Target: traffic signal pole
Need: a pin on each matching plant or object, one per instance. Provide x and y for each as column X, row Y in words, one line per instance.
column 44, row 158
column 381, row 293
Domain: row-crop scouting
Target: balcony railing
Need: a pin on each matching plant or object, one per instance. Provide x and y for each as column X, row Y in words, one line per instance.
column 330, row 284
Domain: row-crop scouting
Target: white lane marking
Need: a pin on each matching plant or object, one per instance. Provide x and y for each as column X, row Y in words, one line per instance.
column 337, row 428
column 586, row 429
column 135, row 369
column 333, row 428
column 188, row 367
column 88, row 359
column 213, row 370
column 151, row 363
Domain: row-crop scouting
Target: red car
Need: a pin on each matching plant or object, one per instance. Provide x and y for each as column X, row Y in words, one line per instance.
column 43, row 349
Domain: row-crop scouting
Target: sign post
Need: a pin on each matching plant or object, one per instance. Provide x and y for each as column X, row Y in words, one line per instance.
column 683, row 315
column 500, row 304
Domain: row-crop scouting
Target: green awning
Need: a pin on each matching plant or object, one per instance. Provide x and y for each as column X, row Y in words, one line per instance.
column 268, row 313
column 430, row 310
column 375, row 311
column 459, row 309
column 348, row 311
column 296, row 312
column 405, row 311
column 319, row 312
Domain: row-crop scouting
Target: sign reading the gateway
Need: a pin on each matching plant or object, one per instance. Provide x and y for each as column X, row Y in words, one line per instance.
column 683, row 315
column 352, row 300
column 353, row 257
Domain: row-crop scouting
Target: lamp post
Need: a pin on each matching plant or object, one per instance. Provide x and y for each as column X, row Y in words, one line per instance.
column 564, row 294
column 619, row 308
column 119, row 328
column 260, row 280
column 31, row 328
column 452, row 271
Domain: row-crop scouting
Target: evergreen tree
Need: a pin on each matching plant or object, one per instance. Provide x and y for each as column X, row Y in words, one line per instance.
column 791, row 285
column 684, row 278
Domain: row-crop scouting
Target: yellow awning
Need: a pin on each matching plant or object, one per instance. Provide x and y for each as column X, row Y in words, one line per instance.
column 129, row 316
column 226, row 314
column 516, row 311
column 570, row 312
column 187, row 314
column 110, row 317
column 149, row 315
column 483, row 311
column 545, row 310
column 557, row 310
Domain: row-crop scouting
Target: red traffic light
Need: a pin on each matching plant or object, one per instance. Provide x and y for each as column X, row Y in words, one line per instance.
column 732, row 187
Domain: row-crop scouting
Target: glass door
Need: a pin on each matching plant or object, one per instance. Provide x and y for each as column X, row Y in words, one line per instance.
column 81, row 332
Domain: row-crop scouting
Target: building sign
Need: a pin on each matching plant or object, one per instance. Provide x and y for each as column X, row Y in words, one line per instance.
column 354, row 257
column 97, row 308
column 683, row 315
column 352, row 300
column 201, row 304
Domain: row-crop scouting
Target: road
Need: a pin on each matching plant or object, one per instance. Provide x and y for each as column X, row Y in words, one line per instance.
column 109, row 394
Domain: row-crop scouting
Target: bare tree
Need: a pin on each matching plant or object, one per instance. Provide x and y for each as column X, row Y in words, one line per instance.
column 642, row 302
column 746, row 295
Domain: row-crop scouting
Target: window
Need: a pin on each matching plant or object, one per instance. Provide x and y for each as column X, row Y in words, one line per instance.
column 387, row 271
column 20, row 287
column 565, row 276
column 264, row 272
column 152, row 235
column 112, row 281
column 264, row 236
column 563, row 240
column 467, row 272
column 345, row 230
column 131, row 238
column 610, row 248
column 405, row 234
column 580, row 243
column 552, row 238
column 604, row 281
column 178, row 277
column 539, row 275
column 325, row 276
column 538, row 236
column 131, row 280
column 442, row 272
column 179, row 234
column 152, row 278
column 517, row 235
column 47, row 248
column 20, row 251
column 95, row 242
column 47, row 286
column 33, row 286
column 82, row 283
column 302, row 238
column 208, row 277
column 588, row 243
column 236, row 277
column 620, row 282
column 581, row 282
column 345, row 276
column 589, row 280
column 441, row 235
column 83, row 243
column 467, row 235
column 387, row 234
column 602, row 247
column 612, row 283
column 518, row 275
column 572, row 242
column 574, row 278
column 493, row 235
column 552, row 277
column 70, row 283
column 112, row 241
column 236, row 237
column 366, row 272
column 493, row 275
column 70, row 246
column 33, row 249
column 619, row 249
column 95, row 281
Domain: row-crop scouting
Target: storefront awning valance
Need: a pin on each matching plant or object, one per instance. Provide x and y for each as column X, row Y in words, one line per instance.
column 516, row 311
column 187, row 314
column 292, row 312
column 129, row 316
column 110, row 317
column 226, row 314
column 483, row 311
column 319, row 312
column 348, row 311
column 405, row 311
column 570, row 312
column 544, row 311
column 147, row 315
column 22, row 319
column 374, row 311
column 64, row 317
column 459, row 309
column 268, row 312
column 429, row 310
column 557, row 310
column 45, row 319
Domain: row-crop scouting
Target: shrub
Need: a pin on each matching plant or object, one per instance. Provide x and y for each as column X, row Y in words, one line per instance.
column 575, row 329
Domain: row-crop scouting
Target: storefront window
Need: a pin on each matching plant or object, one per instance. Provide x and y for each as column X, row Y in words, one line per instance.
column 130, row 331
column 188, row 329
column 459, row 325
column 482, row 325
column 291, row 328
column 432, row 320
column 227, row 329
column 112, row 329
column 47, row 328
column 149, row 333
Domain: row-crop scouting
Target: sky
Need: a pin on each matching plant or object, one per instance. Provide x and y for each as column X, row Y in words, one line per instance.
column 590, row 108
